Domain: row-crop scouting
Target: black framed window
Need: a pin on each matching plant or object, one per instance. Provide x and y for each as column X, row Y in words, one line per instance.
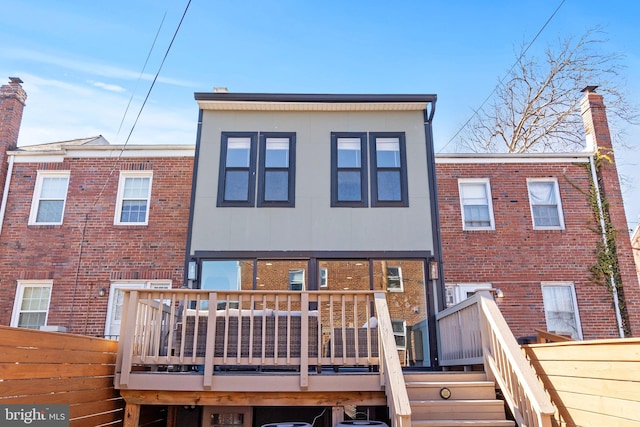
column 277, row 169
column 388, row 169
column 349, row 169
column 236, row 180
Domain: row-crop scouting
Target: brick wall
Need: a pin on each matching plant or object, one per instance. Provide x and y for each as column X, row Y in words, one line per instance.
column 109, row 252
column 515, row 257
column 597, row 130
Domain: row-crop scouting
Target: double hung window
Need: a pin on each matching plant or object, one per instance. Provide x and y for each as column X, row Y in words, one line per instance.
column 134, row 195
column 49, row 198
column 544, row 199
column 277, row 169
column 236, row 182
column 388, row 169
column 31, row 306
column 239, row 162
column 561, row 309
column 394, row 279
column 475, row 199
column 349, row 169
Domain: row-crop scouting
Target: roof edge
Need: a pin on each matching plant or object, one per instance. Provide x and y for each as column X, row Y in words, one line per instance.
column 312, row 97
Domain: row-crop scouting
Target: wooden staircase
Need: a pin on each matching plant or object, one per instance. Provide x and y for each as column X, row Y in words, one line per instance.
column 472, row 401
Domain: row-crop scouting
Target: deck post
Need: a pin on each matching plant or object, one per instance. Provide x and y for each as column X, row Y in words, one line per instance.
column 337, row 415
column 304, row 339
column 131, row 415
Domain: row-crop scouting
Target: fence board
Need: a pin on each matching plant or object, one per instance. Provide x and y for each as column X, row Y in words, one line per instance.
column 592, row 383
column 38, row 367
column 20, row 337
column 16, row 371
column 58, row 385
column 43, row 355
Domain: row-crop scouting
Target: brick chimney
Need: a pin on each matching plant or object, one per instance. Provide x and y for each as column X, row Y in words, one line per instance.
column 596, row 126
column 12, row 101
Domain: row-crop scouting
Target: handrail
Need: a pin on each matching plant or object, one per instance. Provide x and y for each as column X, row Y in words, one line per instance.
column 489, row 337
column 391, row 369
column 200, row 329
column 545, row 337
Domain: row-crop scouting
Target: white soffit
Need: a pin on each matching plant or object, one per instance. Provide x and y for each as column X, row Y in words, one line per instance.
column 310, row 106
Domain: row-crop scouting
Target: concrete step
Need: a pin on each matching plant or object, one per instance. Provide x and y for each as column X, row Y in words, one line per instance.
column 463, row 423
column 471, row 409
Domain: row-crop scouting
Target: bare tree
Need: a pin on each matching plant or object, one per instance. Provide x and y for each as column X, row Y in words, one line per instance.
column 536, row 108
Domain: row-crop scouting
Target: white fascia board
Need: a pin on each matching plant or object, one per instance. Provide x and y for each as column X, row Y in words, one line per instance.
column 512, row 158
column 137, row 151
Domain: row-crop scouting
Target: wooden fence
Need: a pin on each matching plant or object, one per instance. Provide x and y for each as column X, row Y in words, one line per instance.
column 54, row 368
column 592, row 383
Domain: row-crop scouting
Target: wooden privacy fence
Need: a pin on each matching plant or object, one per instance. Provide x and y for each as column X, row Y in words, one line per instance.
column 39, row 367
column 591, row 383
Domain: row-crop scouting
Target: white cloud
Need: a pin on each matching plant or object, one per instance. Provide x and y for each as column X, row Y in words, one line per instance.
column 109, row 87
column 85, row 65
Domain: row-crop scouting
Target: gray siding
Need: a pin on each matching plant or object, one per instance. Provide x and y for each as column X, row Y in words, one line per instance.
column 312, row 225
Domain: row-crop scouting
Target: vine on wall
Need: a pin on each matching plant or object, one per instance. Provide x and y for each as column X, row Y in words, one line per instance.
column 605, row 270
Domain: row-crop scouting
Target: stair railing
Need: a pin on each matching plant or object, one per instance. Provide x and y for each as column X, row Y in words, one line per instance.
column 391, row 376
column 474, row 332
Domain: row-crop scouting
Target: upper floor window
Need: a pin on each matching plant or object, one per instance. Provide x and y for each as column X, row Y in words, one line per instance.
column 277, row 169
column 561, row 309
column 544, row 199
column 475, row 200
column 388, row 169
column 349, row 169
column 49, row 197
column 236, row 182
column 276, row 172
column 134, row 195
column 31, row 306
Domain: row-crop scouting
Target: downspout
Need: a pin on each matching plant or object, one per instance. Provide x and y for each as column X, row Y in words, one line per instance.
column 603, row 230
column 5, row 193
column 436, row 288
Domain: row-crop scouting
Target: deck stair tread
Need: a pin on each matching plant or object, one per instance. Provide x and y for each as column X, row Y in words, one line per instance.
column 463, row 423
column 472, row 401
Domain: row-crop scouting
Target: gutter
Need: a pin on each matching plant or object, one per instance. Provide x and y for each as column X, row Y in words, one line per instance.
column 603, row 231
column 5, row 193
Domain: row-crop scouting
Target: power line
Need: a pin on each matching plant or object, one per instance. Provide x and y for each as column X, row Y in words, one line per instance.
column 475, row 112
column 113, row 168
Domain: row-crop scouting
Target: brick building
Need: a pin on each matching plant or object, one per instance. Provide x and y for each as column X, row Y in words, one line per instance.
column 80, row 219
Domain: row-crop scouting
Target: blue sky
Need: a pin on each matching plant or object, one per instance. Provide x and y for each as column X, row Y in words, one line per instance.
column 81, row 60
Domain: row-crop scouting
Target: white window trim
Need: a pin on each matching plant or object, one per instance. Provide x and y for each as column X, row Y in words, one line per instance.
column 129, row 284
column 119, row 198
column 401, row 288
column 17, row 302
column 324, row 278
column 558, row 199
column 35, row 201
column 574, row 300
column 401, row 334
column 487, row 186
column 459, row 290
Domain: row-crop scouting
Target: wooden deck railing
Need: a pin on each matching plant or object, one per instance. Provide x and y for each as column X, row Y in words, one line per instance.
column 474, row 332
column 206, row 331
column 392, row 376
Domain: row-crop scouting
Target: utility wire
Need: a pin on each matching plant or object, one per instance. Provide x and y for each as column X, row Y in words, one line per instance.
column 146, row 61
column 113, row 168
column 475, row 112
